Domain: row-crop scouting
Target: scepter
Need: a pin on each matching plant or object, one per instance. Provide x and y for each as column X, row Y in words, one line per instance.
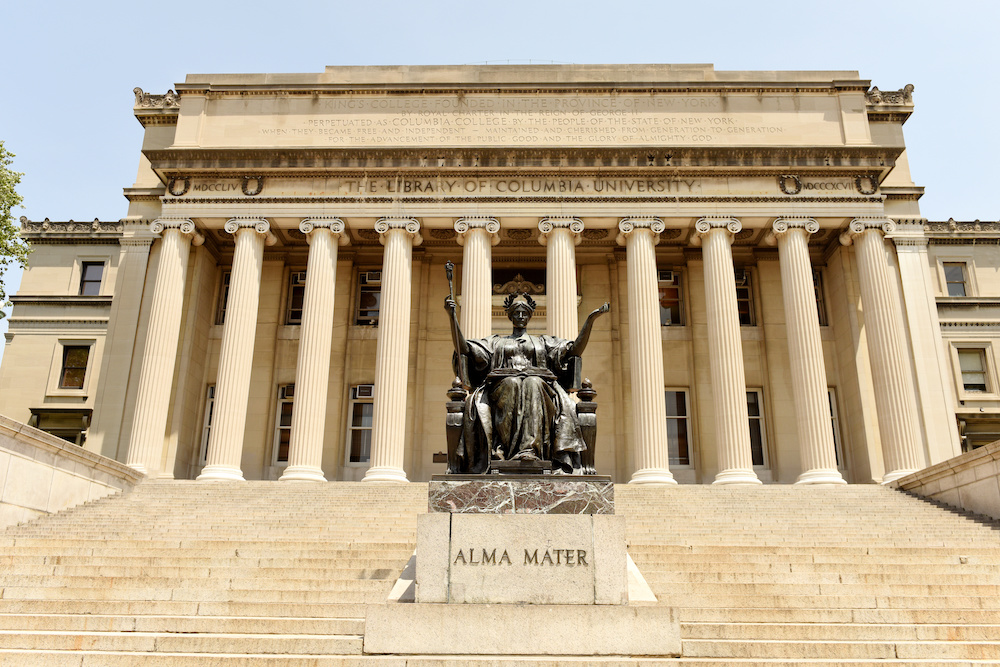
column 463, row 363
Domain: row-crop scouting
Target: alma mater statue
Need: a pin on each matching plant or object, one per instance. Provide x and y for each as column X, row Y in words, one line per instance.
column 518, row 410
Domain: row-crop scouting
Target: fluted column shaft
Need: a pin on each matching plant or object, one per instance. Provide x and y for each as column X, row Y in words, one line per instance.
column 477, row 236
column 232, row 387
column 652, row 456
column 149, row 422
column 560, row 236
column 725, row 350
column 392, row 351
column 805, row 351
column 312, row 372
column 895, row 400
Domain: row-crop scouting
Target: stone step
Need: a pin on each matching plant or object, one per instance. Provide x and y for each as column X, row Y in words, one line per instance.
column 375, row 592
column 842, row 615
column 376, row 578
column 871, row 650
column 839, row 632
column 930, row 591
column 251, row 608
column 182, row 624
column 170, row 642
column 822, row 578
column 357, row 568
column 667, row 597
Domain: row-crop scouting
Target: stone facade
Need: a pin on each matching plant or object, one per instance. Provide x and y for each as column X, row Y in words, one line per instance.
column 804, row 331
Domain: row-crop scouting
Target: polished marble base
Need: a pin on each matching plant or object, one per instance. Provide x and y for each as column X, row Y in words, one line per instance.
column 521, row 494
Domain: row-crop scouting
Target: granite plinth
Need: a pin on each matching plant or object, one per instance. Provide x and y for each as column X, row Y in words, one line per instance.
column 521, row 494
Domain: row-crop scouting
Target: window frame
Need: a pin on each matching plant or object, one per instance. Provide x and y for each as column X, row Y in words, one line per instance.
column 222, row 300
column 358, row 394
column 946, row 283
column 838, row 446
column 676, row 281
column 762, row 419
column 285, row 397
column 685, row 391
column 747, row 275
column 819, row 288
column 206, row 424
column 367, row 279
column 989, row 382
column 55, row 385
column 296, row 280
column 84, row 282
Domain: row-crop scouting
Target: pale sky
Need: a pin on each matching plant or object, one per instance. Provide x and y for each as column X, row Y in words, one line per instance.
column 70, row 67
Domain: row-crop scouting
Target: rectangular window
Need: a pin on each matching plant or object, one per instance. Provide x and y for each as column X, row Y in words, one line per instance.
column 678, row 435
column 220, row 313
column 74, row 366
column 820, row 301
column 671, row 299
column 954, row 278
column 206, row 428
column 296, row 297
column 972, row 362
column 91, row 274
column 369, row 297
column 755, row 411
column 360, row 436
column 283, row 423
column 835, row 422
column 744, row 298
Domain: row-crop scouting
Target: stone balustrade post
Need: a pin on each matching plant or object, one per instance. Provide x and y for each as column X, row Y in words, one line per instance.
column 805, row 352
column 560, row 236
column 649, row 420
column 149, row 423
column 392, row 351
column 477, row 236
column 895, row 399
column 725, row 350
column 312, row 371
column 232, row 388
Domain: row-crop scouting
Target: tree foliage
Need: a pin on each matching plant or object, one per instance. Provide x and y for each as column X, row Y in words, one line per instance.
column 13, row 250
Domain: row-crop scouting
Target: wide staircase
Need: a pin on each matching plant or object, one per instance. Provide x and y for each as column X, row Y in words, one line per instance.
column 279, row 574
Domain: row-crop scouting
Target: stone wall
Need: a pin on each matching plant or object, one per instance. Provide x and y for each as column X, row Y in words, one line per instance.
column 970, row 481
column 42, row 474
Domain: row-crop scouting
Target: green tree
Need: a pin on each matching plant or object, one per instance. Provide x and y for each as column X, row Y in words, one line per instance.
column 13, row 250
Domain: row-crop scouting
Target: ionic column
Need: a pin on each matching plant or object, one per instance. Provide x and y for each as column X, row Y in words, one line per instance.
column 560, row 236
column 477, row 236
column 805, row 352
column 895, row 400
column 232, row 386
column 649, row 410
column 725, row 349
column 392, row 352
column 149, row 422
column 312, row 372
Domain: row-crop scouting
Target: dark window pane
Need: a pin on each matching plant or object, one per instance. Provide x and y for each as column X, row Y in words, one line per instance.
column 756, row 443
column 677, row 442
column 753, row 404
column 675, row 404
column 954, row 276
column 283, row 438
column 90, row 278
column 74, row 366
column 362, row 415
column 361, row 443
column 286, row 414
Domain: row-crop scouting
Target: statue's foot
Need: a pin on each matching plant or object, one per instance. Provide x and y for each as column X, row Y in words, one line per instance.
column 526, row 455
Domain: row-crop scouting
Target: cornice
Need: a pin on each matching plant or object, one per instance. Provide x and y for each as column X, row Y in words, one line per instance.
column 96, row 231
column 60, row 300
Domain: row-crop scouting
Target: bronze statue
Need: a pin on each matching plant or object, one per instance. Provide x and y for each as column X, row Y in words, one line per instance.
column 519, row 408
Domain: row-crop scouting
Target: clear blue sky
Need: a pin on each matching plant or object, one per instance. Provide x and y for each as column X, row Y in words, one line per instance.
column 66, row 87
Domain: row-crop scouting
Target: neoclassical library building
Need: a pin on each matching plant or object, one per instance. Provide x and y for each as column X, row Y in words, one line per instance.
column 272, row 304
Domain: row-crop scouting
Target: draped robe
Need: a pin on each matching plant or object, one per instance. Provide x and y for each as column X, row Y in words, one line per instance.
column 517, row 408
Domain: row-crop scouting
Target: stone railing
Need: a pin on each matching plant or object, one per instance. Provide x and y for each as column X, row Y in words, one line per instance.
column 42, row 474
column 970, row 482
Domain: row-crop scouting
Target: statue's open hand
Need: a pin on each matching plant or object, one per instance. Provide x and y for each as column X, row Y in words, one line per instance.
column 603, row 309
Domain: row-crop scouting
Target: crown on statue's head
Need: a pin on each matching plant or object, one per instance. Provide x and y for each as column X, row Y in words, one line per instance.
column 512, row 301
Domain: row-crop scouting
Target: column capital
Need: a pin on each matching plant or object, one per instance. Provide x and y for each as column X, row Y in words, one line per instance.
column 628, row 225
column 259, row 225
column 859, row 226
column 491, row 225
column 409, row 225
column 184, row 225
column 548, row 225
column 781, row 226
column 704, row 226
column 335, row 225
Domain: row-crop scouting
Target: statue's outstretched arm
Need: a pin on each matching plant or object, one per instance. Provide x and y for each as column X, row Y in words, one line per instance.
column 461, row 345
column 580, row 344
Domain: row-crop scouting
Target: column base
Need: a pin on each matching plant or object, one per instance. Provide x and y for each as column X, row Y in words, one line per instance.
column 139, row 468
column 737, row 476
column 652, row 476
column 302, row 474
column 896, row 474
column 821, row 476
column 220, row 473
column 385, row 474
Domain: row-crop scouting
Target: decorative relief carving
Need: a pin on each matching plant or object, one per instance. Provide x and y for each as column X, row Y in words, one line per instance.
column 442, row 234
column 258, row 185
column 595, row 234
column 866, row 184
column 519, row 285
column 790, row 185
column 174, row 190
column 669, row 234
column 46, row 226
column 367, row 234
column 628, row 225
column 491, row 225
column 519, row 234
column 954, row 227
column 902, row 96
column 743, row 235
column 409, row 225
column 144, row 100
column 860, row 225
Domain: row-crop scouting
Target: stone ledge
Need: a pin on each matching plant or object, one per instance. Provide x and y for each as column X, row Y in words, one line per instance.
column 970, row 481
column 521, row 494
column 500, row 629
